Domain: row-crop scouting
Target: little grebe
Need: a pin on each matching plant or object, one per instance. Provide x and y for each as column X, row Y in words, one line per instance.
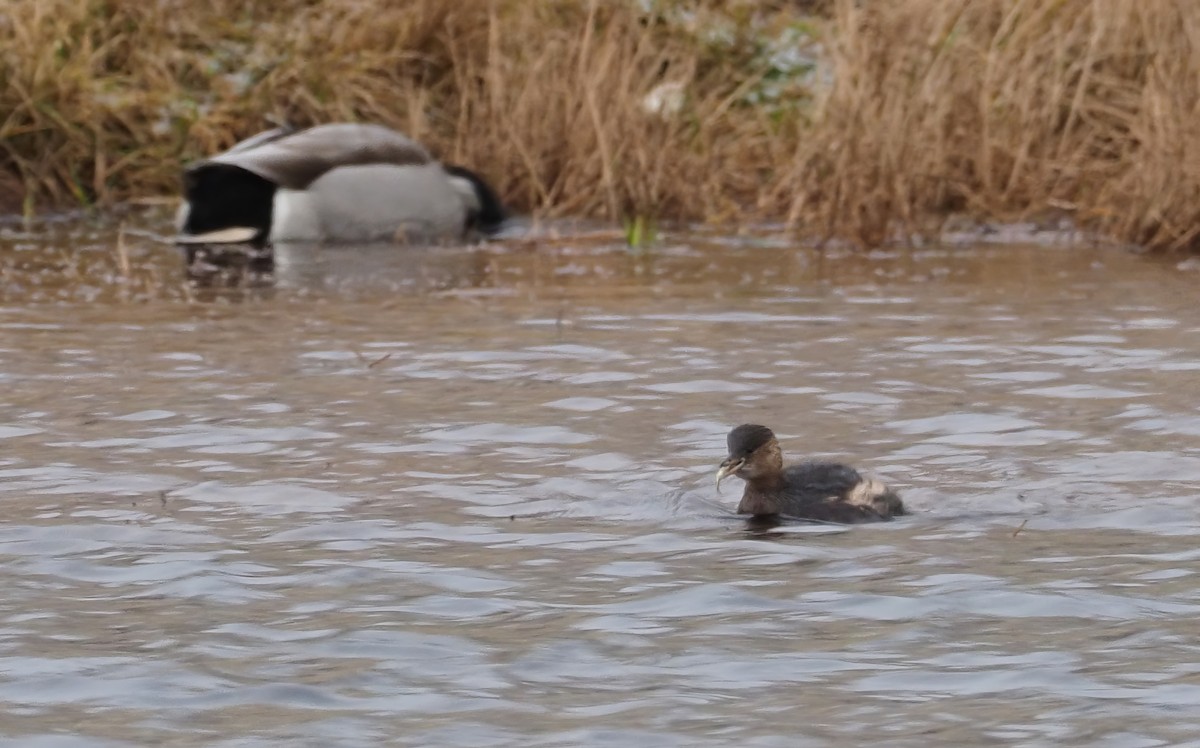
column 824, row 491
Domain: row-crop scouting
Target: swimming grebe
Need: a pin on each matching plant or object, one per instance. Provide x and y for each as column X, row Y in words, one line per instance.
column 813, row 490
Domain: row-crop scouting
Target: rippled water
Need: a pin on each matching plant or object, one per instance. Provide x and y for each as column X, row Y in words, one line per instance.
column 464, row 498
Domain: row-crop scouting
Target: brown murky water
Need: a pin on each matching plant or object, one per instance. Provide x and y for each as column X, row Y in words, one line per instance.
column 464, row 498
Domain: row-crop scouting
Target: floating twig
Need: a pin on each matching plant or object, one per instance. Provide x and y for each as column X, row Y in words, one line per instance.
column 374, row 363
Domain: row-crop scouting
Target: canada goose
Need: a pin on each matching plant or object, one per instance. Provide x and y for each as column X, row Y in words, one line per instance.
column 337, row 183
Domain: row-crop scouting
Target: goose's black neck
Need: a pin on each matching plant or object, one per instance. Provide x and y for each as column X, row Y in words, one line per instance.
column 222, row 196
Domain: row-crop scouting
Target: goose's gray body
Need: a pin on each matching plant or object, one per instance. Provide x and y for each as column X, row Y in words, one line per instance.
column 374, row 202
column 336, row 183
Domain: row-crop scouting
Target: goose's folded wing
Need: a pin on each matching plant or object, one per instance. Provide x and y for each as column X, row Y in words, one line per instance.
column 256, row 141
column 295, row 160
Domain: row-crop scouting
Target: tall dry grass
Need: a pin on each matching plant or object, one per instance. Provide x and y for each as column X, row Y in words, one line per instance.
column 1006, row 108
column 106, row 98
column 921, row 109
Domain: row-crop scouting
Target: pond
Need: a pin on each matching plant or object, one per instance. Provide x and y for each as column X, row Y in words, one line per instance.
column 464, row 496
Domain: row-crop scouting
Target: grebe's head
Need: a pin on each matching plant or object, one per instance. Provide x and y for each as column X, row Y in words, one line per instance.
column 753, row 453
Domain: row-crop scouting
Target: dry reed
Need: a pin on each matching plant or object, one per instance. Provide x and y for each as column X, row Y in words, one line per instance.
column 1009, row 109
column 919, row 109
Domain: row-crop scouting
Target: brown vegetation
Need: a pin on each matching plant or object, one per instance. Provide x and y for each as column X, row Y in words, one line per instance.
column 917, row 110
column 1005, row 108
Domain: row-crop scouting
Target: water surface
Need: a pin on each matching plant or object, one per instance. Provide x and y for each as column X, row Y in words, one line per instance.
column 464, row 497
